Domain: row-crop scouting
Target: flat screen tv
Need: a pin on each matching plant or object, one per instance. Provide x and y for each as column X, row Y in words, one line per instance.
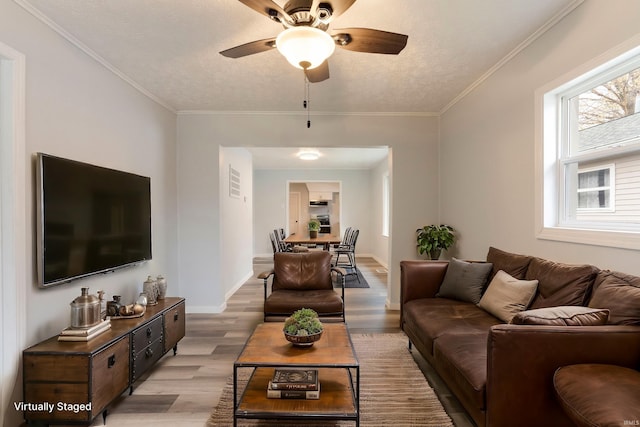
column 90, row 219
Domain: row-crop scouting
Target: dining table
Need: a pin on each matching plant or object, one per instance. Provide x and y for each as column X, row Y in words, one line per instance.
column 326, row 240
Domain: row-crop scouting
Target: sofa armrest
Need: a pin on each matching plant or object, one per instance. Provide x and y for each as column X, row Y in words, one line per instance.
column 265, row 279
column 421, row 279
column 266, row 274
column 521, row 361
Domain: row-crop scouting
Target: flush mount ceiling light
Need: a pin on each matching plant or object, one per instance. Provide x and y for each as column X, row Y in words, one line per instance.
column 308, row 154
column 305, row 47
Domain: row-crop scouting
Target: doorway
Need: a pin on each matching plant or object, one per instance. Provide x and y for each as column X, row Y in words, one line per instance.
column 294, row 212
column 320, row 200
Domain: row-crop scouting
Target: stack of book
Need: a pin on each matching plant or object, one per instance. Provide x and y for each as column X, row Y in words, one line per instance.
column 291, row 383
column 70, row 334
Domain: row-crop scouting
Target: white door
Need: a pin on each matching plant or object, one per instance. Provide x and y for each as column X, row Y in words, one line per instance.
column 294, row 213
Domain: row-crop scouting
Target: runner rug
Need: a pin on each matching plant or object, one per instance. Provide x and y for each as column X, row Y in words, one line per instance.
column 351, row 281
column 394, row 391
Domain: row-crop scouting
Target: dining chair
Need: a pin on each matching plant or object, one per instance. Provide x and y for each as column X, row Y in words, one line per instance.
column 349, row 250
column 284, row 246
column 274, row 242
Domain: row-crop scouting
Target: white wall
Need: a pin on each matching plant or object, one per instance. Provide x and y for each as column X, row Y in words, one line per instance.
column 380, row 243
column 487, row 141
column 236, row 221
column 412, row 141
column 77, row 109
column 270, row 202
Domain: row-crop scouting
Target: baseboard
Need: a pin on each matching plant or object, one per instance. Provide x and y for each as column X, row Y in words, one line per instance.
column 379, row 261
column 390, row 306
column 238, row 284
column 205, row 309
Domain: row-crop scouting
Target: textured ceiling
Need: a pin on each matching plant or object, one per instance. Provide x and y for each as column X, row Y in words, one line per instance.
column 169, row 49
column 330, row 158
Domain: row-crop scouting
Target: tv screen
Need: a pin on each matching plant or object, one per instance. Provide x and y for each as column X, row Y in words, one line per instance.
column 90, row 219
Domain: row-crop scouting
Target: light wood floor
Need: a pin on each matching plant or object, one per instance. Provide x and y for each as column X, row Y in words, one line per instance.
column 182, row 390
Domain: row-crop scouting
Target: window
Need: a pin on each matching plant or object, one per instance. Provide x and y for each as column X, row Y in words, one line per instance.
column 595, row 192
column 589, row 155
column 385, row 205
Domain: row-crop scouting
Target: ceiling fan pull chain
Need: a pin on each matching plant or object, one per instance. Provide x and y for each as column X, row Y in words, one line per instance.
column 307, row 101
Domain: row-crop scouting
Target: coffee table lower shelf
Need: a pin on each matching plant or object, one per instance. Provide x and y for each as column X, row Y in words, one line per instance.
column 338, row 399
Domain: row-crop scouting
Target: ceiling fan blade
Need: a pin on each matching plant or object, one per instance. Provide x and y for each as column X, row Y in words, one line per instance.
column 318, row 74
column 338, row 6
column 369, row 40
column 268, row 8
column 250, row 48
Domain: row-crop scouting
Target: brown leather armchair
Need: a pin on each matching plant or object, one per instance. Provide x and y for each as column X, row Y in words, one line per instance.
column 302, row 280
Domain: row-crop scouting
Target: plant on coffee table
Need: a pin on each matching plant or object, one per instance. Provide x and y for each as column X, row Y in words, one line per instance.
column 303, row 327
column 303, row 322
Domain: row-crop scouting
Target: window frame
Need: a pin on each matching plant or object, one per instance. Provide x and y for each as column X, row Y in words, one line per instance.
column 551, row 149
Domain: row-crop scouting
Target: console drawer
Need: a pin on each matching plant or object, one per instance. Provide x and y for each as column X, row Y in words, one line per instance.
column 145, row 358
column 174, row 326
column 146, row 334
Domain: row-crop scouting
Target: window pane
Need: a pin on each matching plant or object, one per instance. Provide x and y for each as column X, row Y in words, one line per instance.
column 593, row 179
column 593, row 199
column 607, row 115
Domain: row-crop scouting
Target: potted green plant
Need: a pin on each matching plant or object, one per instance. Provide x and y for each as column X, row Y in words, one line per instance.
column 314, row 227
column 432, row 239
column 303, row 327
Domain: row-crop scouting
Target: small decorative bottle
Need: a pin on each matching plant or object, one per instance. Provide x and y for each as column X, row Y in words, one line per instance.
column 103, row 305
column 161, row 282
column 113, row 307
column 150, row 288
column 142, row 299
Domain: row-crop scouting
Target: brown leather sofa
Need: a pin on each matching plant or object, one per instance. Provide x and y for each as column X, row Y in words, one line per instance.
column 502, row 372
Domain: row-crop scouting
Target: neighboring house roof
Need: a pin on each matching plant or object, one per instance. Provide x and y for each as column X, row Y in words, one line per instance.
column 610, row 133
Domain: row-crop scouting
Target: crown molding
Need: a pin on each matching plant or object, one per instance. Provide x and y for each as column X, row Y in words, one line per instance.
column 522, row 46
column 91, row 53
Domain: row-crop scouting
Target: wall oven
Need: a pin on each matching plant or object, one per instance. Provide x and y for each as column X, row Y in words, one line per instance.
column 325, row 224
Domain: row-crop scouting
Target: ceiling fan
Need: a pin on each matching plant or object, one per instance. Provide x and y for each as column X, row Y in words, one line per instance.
column 305, row 41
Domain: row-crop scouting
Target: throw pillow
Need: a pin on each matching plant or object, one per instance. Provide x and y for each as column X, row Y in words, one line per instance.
column 464, row 280
column 620, row 293
column 514, row 264
column 507, row 296
column 562, row 316
column 561, row 284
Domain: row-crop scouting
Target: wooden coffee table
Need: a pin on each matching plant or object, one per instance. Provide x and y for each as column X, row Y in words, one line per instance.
column 338, row 369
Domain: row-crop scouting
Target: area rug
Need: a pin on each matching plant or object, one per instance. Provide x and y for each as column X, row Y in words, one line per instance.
column 350, row 281
column 394, row 391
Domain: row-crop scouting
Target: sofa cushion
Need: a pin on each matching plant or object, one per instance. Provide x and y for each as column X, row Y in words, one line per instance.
column 514, row 264
column 561, row 284
column 284, row 302
column 465, row 281
column 507, row 296
column 429, row 318
column 620, row 293
column 461, row 361
column 562, row 316
column 302, row 271
column 599, row 395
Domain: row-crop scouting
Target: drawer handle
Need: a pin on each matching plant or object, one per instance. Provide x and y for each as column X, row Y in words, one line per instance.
column 175, row 317
column 148, row 353
column 148, row 332
column 111, row 361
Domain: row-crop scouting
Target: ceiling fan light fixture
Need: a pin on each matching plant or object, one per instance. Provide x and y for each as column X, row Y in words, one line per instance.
column 308, row 155
column 305, row 47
